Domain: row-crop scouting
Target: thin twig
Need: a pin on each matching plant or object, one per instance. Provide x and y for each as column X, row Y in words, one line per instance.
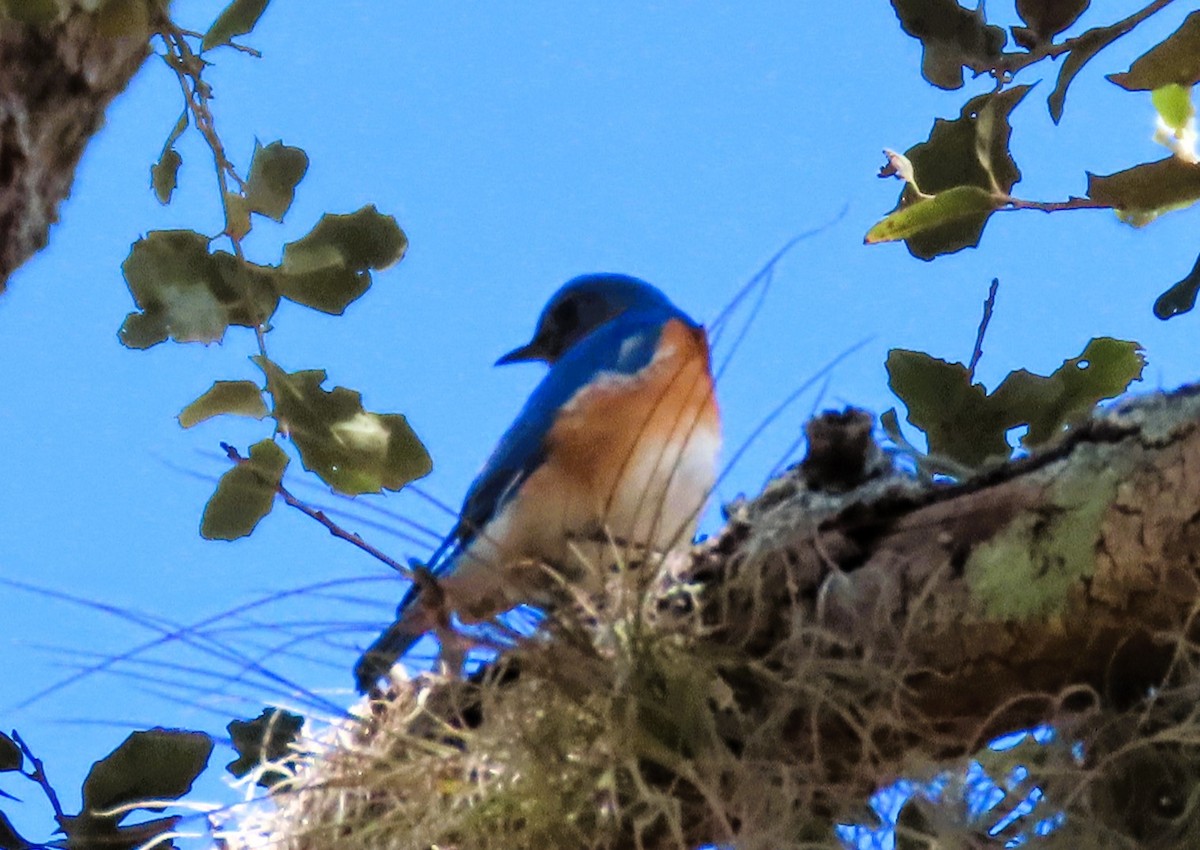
column 257, row 54
column 38, row 775
column 187, row 66
column 1055, row 206
column 989, row 304
column 333, row 528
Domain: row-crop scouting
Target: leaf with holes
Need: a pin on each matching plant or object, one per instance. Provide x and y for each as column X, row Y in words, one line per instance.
column 186, row 294
column 331, row 266
column 967, row 425
column 245, row 494
column 242, row 398
column 351, row 449
column 1051, row 404
column 238, row 18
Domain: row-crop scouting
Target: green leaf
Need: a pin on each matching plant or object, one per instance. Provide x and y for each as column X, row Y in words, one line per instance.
column 951, row 38
column 1174, row 105
column 1086, row 46
column 329, row 268
column 243, row 398
column 1045, row 19
column 971, row 150
column 1175, row 60
column 238, row 18
column 11, row 757
column 1048, row 405
column 351, row 449
column 163, row 174
column 189, row 295
column 953, row 412
column 245, row 494
column 1144, row 192
column 1181, row 297
column 966, row 425
column 156, row 764
column 928, row 213
column 274, row 172
column 265, row 739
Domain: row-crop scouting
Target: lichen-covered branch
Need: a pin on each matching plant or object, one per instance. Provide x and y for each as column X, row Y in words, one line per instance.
column 56, row 80
column 1075, row 568
column 851, row 625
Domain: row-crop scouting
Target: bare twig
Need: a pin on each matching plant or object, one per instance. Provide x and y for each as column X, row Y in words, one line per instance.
column 989, row 304
column 1072, row 203
column 38, row 775
column 257, row 54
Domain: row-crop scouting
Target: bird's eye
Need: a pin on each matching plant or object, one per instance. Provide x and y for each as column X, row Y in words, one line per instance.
column 565, row 317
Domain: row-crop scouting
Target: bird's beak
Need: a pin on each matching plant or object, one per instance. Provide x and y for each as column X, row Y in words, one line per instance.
column 523, row 354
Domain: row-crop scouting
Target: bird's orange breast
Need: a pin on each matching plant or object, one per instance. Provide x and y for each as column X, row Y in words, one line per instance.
column 628, row 466
column 643, row 446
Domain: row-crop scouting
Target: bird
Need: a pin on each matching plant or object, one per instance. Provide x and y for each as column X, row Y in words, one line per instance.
column 617, row 446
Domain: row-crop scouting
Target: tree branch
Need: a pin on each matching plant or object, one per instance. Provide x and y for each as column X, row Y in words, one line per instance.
column 331, row 526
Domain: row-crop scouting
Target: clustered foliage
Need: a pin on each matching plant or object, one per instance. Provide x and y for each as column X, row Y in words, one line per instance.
column 711, row 704
column 964, row 173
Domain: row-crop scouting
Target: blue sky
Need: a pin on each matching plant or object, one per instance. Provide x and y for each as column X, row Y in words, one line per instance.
column 683, row 142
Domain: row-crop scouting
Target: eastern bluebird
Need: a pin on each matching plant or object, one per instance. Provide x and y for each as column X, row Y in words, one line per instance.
column 617, row 445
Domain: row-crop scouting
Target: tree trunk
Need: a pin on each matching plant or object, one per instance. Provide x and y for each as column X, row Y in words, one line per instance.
column 56, row 80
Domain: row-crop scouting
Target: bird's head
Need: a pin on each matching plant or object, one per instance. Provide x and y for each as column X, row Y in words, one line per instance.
column 579, row 307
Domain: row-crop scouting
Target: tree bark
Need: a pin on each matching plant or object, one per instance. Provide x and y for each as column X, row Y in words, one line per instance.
column 56, row 80
column 850, row 626
column 1059, row 588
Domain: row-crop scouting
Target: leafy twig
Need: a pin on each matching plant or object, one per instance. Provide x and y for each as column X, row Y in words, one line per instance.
column 196, row 93
column 1010, row 63
column 333, row 528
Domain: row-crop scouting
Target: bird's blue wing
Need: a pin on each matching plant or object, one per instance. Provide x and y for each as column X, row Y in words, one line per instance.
column 624, row 345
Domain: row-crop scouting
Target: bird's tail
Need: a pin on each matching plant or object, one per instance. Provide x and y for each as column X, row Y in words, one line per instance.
column 379, row 658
